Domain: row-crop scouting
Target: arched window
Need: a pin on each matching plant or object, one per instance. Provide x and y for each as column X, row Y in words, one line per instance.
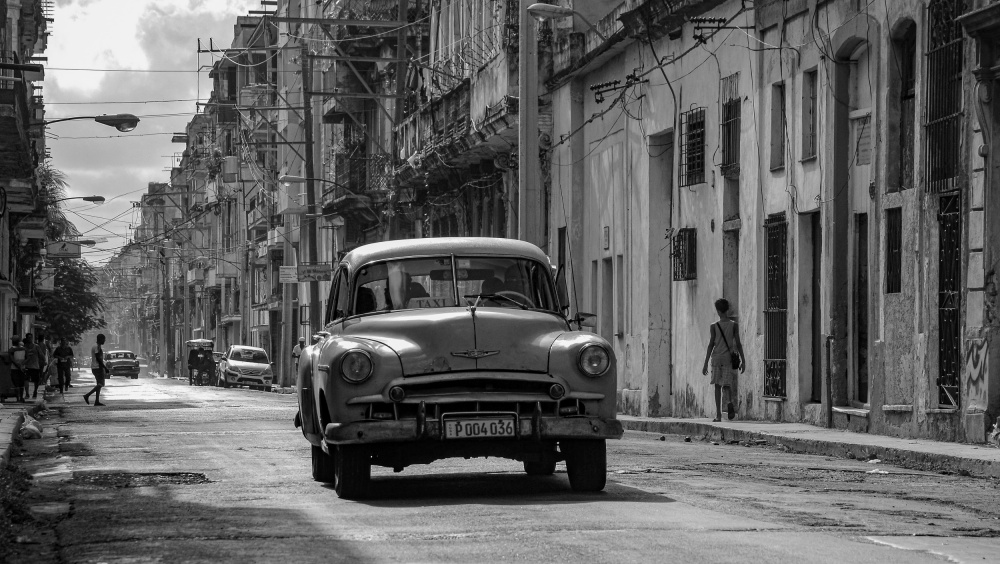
column 944, row 95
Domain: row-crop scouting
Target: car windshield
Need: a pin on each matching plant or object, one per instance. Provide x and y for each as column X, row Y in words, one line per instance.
column 121, row 355
column 249, row 355
column 497, row 282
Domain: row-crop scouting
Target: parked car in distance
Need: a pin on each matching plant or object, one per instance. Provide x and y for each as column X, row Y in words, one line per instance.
column 122, row 363
column 245, row 366
column 454, row 347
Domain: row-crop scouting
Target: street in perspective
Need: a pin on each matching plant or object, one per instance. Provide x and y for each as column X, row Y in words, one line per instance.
column 499, row 280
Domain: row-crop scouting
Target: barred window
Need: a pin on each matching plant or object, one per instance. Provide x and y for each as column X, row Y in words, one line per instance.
column 777, row 125
column 731, row 114
column 893, row 250
column 685, row 255
column 810, row 114
column 944, row 113
column 693, row 147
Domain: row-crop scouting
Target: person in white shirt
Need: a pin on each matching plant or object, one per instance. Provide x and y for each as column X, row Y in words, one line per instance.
column 297, row 352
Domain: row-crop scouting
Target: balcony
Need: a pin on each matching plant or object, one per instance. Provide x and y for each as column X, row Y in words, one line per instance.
column 17, row 149
column 195, row 276
column 461, row 128
column 257, row 219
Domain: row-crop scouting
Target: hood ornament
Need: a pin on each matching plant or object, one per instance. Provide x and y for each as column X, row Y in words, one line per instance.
column 475, row 353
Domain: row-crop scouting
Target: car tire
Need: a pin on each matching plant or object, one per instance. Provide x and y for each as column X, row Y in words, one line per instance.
column 136, row 377
column 353, row 465
column 586, row 464
column 322, row 466
column 540, row 468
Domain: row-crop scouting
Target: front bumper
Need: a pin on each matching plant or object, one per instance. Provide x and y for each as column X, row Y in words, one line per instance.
column 247, row 380
column 529, row 428
column 123, row 370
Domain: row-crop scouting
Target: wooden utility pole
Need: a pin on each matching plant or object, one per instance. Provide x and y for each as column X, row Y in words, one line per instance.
column 529, row 204
column 312, row 253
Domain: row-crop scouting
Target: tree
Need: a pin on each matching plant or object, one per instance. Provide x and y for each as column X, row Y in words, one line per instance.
column 74, row 307
column 52, row 186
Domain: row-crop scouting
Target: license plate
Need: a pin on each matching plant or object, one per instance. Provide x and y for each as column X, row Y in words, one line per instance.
column 478, row 428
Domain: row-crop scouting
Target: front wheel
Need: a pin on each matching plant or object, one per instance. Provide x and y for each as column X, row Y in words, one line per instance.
column 322, row 466
column 586, row 464
column 353, row 465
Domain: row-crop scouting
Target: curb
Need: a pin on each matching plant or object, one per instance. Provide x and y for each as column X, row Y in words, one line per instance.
column 907, row 458
column 9, row 427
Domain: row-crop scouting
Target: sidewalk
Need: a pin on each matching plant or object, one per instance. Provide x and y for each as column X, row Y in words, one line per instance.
column 975, row 460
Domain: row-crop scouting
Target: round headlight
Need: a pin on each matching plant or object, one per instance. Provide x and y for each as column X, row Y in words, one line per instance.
column 356, row 366
column 594, row 360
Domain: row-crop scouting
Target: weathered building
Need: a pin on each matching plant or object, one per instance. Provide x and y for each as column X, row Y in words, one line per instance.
column 816, row 163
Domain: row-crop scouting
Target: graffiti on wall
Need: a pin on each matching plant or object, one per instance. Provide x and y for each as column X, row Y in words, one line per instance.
column 975, row 373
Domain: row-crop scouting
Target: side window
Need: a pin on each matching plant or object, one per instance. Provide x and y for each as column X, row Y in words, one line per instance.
column 340, row 295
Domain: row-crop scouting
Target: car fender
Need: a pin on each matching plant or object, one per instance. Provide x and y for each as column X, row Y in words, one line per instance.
column 335, row 390
column 564, row 355
column 307, row 396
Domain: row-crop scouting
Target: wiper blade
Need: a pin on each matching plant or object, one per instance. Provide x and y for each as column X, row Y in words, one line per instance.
column 480, row 297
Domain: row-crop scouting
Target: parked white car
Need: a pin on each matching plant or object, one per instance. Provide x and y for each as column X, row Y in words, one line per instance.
column 245, row 366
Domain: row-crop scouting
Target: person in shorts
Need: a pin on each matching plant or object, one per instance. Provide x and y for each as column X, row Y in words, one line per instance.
column 34, row 359
column 17, row 374
column 99, row 368
column 64, row 363
column 724, row 341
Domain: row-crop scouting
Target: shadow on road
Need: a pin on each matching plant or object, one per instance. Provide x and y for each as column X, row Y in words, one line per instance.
column 493, row 489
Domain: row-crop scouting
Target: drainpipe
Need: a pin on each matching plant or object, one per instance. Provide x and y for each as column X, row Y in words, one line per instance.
column 829, row 381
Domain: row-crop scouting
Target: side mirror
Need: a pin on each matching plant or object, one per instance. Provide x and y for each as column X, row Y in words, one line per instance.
column 582, row 320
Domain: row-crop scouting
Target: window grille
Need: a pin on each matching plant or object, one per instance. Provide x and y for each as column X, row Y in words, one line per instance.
column 893, row 250
column 907, row 108
column 949, row 300
column 693, row 147
column 685, row 255
column 776, row 306
column 777, row 125
column 945, row 62
column 810, row 114
column 731, row 114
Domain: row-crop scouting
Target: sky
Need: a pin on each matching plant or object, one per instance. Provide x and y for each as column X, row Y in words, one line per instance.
column 123, row 40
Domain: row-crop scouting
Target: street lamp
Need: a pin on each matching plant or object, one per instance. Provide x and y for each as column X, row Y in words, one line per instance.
column 92, row 199
column 544, row 12
column 121, row 122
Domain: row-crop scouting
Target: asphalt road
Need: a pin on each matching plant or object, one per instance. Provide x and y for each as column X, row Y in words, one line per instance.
column 172, row 473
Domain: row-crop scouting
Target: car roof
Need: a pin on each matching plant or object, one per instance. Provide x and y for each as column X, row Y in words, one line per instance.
column 476, row 246
column 245, row 347
column 120, row 351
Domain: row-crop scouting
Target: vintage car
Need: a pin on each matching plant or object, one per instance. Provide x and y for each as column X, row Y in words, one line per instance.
column 122, row 363
column 245, row 366
column 454, row 347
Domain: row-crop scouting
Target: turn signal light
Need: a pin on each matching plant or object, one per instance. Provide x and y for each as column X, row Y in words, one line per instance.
column 396, row 394
column 557, row 391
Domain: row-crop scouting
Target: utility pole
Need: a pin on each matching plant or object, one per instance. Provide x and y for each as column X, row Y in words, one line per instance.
column 529, row 205
column 312, row 253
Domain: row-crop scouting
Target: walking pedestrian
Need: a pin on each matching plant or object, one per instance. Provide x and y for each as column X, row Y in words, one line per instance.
column 725, row 359
column 17, row 374
column 64, row 364
column 99, row 369
column 297, row 352
column 34, row 357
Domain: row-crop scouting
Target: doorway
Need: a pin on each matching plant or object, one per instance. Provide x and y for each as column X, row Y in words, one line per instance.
column 861, row 308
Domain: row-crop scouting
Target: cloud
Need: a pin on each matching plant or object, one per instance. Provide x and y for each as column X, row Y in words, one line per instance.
column 133, row 35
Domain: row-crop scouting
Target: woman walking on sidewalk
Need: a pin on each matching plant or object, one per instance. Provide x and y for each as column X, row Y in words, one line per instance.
column 725, row 359
column 99, row 368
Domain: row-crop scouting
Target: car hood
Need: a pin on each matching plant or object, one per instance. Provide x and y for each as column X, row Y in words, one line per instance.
column 248, row 365
column 453, row 339
column 117, row 361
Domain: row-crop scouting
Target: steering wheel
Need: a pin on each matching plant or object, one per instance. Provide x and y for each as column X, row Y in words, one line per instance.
column 517, row 296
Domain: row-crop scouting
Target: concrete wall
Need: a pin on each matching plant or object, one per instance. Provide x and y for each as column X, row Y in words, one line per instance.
column 658, row 326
